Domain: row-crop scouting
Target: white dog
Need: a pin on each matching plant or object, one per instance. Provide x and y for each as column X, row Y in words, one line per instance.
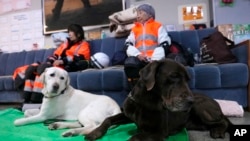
column 62, row 101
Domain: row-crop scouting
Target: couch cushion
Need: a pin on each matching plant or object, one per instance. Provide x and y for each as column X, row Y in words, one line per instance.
column 6, row 83
column 218, row 76
column 3, row 60
column 10, row 61
column 107, row 45
column 95, row 80
column 111, row 82
column 234, row 75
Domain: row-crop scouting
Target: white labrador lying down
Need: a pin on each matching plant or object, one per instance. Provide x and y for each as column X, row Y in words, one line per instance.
column 61, row 101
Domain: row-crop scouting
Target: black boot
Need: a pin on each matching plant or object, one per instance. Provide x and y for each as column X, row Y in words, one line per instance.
column 26, row 96
column 132, row 82
column 36, row 97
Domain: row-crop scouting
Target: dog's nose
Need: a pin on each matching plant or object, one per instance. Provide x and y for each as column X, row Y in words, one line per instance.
column 190, row 99
column 56, row 86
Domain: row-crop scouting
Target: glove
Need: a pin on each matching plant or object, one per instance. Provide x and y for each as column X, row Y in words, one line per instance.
column 42, row 67
column 30, row 72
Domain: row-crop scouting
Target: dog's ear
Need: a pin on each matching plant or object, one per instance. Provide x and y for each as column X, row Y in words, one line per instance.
column 42, row 79
column 147, row 74
column 186, row 74
column 67, row 80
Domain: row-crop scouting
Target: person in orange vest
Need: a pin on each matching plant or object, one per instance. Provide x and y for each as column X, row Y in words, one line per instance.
column 72, row 55
column 148, row 41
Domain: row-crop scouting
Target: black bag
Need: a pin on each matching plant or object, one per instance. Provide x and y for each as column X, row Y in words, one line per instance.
column 177, row 57
column 214, row 49
column 180, row 54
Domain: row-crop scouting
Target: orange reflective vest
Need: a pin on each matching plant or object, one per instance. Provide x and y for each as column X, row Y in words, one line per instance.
column 37, row 85
column 81, row 48
column 21, row 71
column 146, row 36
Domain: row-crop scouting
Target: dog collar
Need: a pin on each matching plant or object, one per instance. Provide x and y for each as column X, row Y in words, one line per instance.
column 52, row 96
column 56, row 95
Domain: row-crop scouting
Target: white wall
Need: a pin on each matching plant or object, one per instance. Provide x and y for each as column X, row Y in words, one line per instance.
column 167, row 10
column 238, row 13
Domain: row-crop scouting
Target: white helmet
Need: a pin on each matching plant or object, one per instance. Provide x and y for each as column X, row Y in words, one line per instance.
column 100, row 60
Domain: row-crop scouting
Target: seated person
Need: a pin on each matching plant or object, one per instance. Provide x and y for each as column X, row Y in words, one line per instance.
column 147, row 42
column 72, row 55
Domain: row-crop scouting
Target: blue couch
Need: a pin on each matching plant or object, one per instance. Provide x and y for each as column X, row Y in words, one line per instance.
column 225, row 81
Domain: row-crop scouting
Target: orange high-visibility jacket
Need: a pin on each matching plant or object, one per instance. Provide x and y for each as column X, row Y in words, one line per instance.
column 79, row 49
column 21, row 71
column 146, row 36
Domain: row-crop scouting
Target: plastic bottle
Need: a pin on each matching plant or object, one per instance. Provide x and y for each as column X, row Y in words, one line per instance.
column 103, row 35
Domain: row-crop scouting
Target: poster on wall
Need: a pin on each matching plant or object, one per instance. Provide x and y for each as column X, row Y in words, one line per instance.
column 235, row 32
column 193, row 13
column 13, row 5
column 22, row 31
column 57, row 15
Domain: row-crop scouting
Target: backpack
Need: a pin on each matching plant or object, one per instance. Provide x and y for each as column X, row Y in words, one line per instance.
column 180, row 54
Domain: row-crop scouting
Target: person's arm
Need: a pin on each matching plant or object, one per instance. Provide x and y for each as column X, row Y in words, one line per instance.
column 54, row 59
column 129, row 43
column 84, row 52
column 164, row 41
column 51, row 59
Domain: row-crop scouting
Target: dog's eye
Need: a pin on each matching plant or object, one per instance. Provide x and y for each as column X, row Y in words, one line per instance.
column 175, row 76
column 52, row 74
column 62, row 78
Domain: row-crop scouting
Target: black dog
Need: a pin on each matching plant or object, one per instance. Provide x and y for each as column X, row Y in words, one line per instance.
column 161, row 104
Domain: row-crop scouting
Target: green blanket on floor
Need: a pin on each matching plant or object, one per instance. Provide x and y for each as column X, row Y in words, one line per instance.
column 40, row 132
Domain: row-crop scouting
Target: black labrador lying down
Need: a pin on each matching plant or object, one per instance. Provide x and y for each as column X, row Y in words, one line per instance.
column 161, row 104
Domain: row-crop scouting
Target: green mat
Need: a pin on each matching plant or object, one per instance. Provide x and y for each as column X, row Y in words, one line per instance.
column 39, row 132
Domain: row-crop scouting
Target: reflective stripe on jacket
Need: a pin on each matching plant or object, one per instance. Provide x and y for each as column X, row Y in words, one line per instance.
column 81, row 48
column 38, row 85
column 28, row 85
column 146, row 36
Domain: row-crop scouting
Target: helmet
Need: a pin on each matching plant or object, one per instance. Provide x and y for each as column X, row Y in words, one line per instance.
column 100, row 60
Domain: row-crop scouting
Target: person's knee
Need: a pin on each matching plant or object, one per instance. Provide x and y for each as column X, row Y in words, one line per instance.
column 132, row 72
column 30, row 72
column 36, row 97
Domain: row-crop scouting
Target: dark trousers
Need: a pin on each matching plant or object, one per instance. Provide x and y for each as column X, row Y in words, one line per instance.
column 132, row 66
column 30, row 74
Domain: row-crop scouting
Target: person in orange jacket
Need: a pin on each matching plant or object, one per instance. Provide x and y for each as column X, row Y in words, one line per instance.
column 148, row 41
column 72, row 55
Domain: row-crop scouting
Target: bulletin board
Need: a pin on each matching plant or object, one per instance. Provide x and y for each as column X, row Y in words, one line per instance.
column 21, row 31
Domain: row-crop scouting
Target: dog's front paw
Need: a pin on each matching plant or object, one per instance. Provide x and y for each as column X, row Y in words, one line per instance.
column 92, row 136
column 18, row 122
column 53, row 126
column 69, row 133
column 217, row 134
column 31, row 112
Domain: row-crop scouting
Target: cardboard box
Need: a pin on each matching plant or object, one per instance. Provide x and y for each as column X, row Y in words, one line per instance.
column 235, row 32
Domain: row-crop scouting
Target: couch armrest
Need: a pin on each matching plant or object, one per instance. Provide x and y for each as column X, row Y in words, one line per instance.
column 247, row 43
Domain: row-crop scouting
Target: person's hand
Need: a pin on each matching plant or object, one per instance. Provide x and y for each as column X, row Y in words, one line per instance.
column 142, row 58
column 57, row 63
